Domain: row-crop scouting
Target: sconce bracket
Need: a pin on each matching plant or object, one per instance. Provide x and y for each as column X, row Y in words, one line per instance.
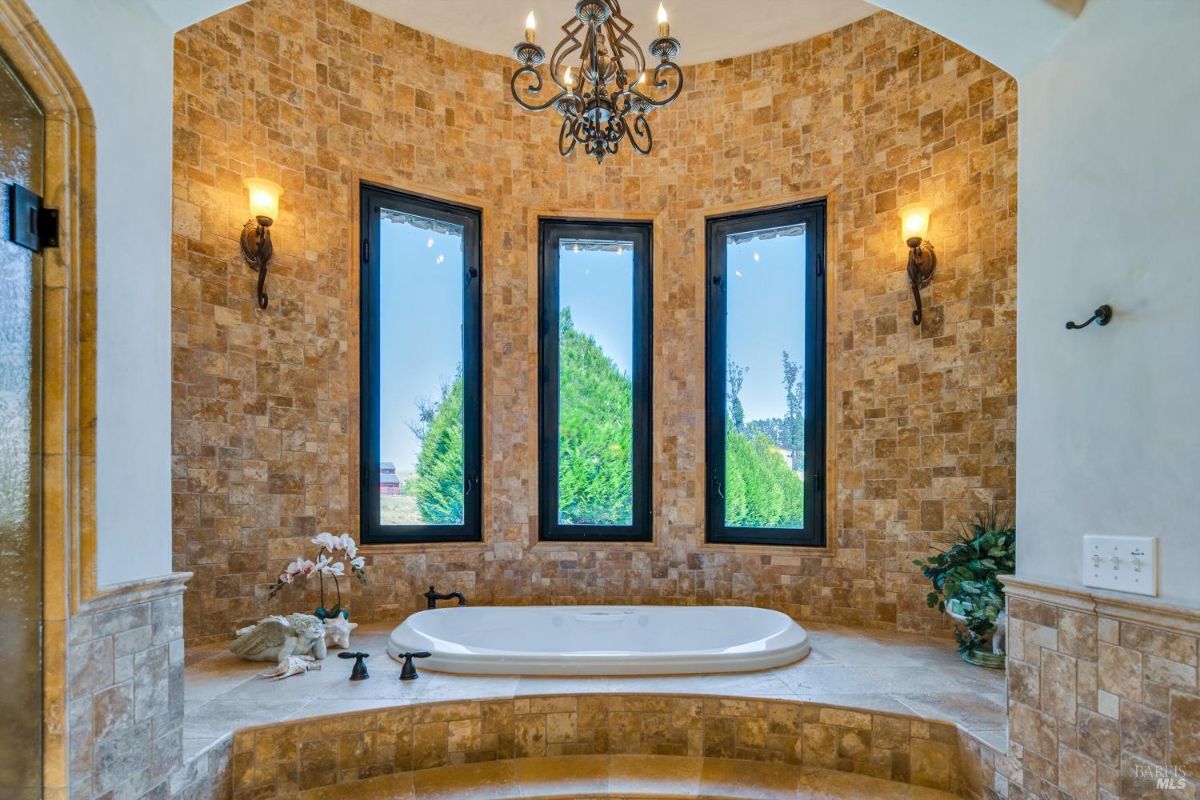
column 921, row 262
column 257, row 250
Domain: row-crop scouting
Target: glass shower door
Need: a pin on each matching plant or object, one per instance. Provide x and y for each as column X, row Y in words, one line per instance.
column 21, row 152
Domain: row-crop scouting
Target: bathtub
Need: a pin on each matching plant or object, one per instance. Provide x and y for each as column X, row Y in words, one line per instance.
column 600, row 640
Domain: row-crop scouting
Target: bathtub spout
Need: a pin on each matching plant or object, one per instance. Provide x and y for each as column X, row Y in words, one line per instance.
column 432, row 597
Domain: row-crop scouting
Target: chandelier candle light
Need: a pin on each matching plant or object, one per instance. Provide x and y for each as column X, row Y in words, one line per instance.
column 607, row 97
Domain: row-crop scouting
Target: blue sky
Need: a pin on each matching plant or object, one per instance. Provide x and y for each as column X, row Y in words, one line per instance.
column 420, row 324
column 766, row 317
column 597, row 285
column 421, row 319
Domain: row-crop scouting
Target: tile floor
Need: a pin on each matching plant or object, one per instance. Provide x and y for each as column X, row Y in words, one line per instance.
column 854, row 667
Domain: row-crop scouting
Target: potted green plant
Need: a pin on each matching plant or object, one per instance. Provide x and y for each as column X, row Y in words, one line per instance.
column 965, row 584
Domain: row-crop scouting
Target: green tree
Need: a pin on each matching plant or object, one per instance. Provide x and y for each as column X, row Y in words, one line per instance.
column 438, row 484
column 761, row 490
column 793, row 420
column 737, row 378
column 595, row 474
column 595, row 433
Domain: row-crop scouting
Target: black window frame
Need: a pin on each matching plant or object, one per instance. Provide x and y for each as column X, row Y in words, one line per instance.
column 373, row 198
column 551, row 231
column 813, row 215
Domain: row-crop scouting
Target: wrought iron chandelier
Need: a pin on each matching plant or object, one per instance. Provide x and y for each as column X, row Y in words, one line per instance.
column 607, row 97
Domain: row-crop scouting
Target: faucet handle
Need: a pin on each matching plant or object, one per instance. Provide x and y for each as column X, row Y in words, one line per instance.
column 408, row 672
column 359, row 672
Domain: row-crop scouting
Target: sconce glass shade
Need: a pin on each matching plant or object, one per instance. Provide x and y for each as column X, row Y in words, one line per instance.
column 914, row 221
column 264, row 198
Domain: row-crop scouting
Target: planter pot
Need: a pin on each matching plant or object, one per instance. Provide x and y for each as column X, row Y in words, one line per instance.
column 983, row 656
column 980, row 653
column 330, row 613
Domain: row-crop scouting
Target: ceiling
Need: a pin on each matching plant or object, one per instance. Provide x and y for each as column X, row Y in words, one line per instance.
column 1012, row 34
column 708, row 29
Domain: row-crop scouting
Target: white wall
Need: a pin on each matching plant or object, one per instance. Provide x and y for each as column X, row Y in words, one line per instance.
column 122, row 55
column 1108, row 420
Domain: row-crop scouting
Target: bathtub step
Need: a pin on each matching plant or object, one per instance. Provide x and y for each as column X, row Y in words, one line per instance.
column 624, row 777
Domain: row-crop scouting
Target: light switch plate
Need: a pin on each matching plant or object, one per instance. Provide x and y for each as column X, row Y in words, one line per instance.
column 1121, row 563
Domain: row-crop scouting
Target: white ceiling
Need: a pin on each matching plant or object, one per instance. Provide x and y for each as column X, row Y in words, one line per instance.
column 708, row 29
column 1012, row 34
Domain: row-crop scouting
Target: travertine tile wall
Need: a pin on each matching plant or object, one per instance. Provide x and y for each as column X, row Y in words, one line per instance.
column 280, row 760
column 1103, row 701
column 317, row 94
column 125, row 693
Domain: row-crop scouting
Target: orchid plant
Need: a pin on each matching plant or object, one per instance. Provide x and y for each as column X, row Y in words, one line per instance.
column 334, row 555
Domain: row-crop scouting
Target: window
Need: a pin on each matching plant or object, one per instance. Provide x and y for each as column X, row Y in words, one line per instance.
column 594, row 425
column 766, row 377
column 420, row 369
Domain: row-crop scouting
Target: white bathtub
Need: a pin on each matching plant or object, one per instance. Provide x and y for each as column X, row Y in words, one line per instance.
column 600, row 640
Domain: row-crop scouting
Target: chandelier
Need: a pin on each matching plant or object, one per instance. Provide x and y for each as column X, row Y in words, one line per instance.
column 608, row 95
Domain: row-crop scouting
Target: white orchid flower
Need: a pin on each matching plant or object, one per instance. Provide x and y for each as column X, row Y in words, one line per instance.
column 301, row 566
column 326, row 540
column 349, row 545
column 335, row 568
column 358, row 562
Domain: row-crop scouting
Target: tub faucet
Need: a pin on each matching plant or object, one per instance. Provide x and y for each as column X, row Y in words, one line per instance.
column 432, row 597
column 408, row 672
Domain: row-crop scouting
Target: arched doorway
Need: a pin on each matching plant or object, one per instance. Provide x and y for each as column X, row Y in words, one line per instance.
column 47, row 407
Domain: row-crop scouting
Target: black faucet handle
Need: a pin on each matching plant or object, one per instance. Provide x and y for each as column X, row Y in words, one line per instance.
column 359, row 672
column 408, row 672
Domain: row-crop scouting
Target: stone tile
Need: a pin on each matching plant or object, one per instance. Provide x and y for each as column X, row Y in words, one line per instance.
column 113, row 709
column 1033, row 730
column 1077, row 775
column 1058, row 685
column 1185, row 732
column 1099, row 737
column 930, row 763
column 1024, row 682
column 91, row 667
column 1156, row 642
column 1144, row 731
column 1120, row 671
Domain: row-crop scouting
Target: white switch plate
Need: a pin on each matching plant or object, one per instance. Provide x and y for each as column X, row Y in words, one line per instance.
column 1121, row 563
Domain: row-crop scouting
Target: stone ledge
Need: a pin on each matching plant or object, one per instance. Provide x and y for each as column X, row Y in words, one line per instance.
column 1124, row 607
column 135, row 592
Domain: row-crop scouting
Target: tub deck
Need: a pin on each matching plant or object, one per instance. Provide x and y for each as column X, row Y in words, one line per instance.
column 850, row 667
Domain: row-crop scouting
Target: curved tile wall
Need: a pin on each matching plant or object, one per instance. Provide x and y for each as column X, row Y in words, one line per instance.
column 319, row 94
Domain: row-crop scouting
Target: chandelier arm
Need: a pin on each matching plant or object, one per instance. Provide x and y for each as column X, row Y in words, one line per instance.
column 567, row 139
column 565, row 49
column 639, row 135
column 660, row 83
column 533, row 88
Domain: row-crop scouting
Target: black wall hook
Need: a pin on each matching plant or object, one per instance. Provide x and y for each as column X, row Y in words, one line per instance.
column 1102, row 316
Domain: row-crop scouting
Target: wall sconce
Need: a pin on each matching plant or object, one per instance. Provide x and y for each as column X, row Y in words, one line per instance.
column 256, row 235
column 914, row 222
